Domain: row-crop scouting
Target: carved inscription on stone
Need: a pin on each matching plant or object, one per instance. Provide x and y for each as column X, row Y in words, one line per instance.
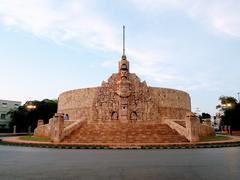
column 137, row 105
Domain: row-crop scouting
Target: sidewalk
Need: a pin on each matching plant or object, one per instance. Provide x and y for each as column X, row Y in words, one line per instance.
column 13, row 134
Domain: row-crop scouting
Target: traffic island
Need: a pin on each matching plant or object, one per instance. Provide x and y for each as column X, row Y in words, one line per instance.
column 206, row 142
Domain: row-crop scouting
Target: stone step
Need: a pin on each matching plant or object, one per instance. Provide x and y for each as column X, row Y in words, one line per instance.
column 124, row 133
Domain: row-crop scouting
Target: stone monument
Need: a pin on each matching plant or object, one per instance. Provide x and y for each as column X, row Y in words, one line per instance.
column 125, row 110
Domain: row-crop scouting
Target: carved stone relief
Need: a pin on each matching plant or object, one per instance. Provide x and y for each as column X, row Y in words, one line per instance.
column 133, row 102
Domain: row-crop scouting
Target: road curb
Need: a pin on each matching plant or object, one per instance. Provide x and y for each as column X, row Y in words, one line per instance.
column 144, row 147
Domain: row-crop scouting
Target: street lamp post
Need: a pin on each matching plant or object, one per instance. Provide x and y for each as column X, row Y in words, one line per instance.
column 30, row 107
column 226, row 105
column 226, row 128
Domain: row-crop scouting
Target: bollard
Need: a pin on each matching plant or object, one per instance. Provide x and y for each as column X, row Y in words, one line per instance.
column 14, row 129
column 29, row 130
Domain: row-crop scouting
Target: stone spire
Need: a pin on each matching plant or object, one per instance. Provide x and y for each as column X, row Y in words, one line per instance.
column 124, row 40
column 123, row 85
column 123, row 66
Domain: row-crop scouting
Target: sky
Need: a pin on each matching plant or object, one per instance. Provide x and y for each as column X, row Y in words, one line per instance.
column 51, row 46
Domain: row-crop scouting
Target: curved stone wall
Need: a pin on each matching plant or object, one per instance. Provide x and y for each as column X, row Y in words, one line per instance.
column 172, row 98
column 171, row 103
column 77, row 103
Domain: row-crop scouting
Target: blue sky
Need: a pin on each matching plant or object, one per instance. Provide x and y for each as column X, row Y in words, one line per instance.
column 50, row 46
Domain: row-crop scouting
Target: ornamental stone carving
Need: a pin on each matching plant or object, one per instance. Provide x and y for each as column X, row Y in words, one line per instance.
column 123, row 97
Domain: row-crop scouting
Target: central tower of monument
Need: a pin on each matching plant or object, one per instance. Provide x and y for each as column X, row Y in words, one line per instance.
column 123, row 84
column 123, row 88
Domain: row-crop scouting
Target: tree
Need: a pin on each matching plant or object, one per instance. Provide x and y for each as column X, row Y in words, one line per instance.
column 226, row 102
column 204, row 116
column 231, row 112
column 19, row 118
column 25, row 117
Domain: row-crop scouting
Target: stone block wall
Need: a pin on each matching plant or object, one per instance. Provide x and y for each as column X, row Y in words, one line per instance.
column 77, row 103
column 171, row 98
column 170, row 103
column 206, row 130
column 42, row 131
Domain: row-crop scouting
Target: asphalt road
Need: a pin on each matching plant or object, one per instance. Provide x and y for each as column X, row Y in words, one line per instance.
column 39, row 163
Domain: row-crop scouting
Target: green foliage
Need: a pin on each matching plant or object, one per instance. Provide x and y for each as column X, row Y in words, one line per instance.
column 23, row 117
column 231, row 112
column 214, row 138
column 225, row 101
column 204, row 116
column 32, row 138
column 19, row 119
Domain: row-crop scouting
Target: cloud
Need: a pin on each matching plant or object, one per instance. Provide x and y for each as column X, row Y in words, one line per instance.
column 83, row 22
column 221, row 16
column 108, row 63
column 152, row 64
column 59, row 21
column 155, row 5
column 80, row 21
column 149, row 64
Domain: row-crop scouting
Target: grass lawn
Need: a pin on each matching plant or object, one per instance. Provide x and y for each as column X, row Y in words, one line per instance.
column 214, row 138
column 31, row 138
column 202, row 139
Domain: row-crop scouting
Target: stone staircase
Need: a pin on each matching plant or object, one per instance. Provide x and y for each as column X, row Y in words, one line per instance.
column 124, row 133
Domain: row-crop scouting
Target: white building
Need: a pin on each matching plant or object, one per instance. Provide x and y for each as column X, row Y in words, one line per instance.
column 5, row 107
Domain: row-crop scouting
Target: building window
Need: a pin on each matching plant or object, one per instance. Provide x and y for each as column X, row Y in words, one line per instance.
column 3, row 116
column 16, row 105
column 4, row 104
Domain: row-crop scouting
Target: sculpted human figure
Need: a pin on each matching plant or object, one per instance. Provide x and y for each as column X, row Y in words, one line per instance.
column 124, row 74
column 133, row 116
column 114, row 116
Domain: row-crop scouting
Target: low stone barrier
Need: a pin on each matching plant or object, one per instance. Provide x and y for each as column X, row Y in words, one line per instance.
column 193, row 130
column 57, row 128
column 73, row 126
column 42, row 131
column 176, row 126
column 206, row 130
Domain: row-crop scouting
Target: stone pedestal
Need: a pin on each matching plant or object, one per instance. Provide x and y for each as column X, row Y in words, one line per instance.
column 192, row 126
column 57, row 127
column 14, row 129
column 40, row 122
